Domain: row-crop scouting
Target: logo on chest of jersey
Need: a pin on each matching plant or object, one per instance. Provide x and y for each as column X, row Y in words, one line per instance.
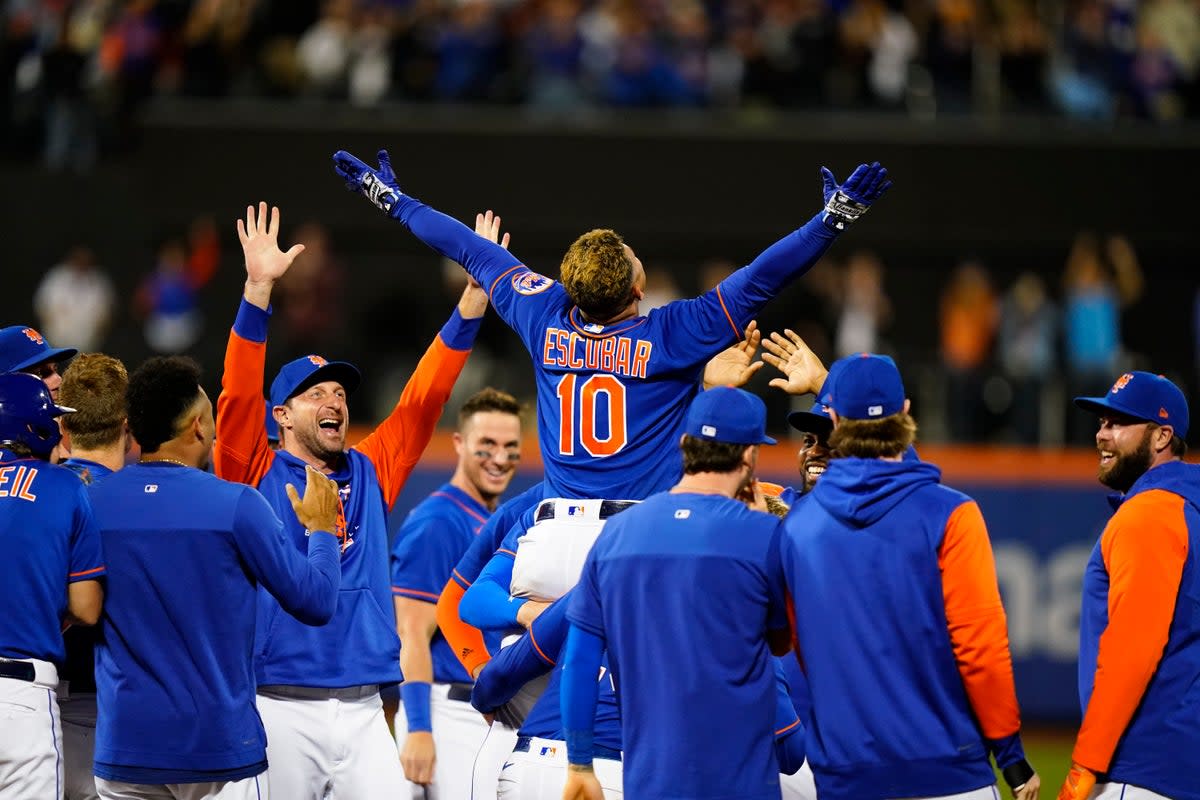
column 531, row 283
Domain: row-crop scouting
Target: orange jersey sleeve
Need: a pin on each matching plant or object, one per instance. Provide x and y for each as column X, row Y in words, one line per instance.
column 1144, row 548
column 465, row 640
column 241, row 453
column 977, row 624
column 396, row 445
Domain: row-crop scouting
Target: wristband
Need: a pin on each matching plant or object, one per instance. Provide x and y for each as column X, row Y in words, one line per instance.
column 1018, row 774
column 841, row 210
column 415, row 696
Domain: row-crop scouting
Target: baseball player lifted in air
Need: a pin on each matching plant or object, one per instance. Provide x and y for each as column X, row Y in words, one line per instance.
column 441, row 733
column 897, row 612
column 97, row 436
column 646, row 597
column 50, row 573
column 188, row 553
column 1139, row 632
column 319, row 686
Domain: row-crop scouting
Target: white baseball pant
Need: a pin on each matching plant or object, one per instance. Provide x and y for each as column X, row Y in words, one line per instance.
column 30, row 734
column 541, row 772
column 1123, row 791
column 985, row 793
column 458, row 733
column 246, row 789
column 79, row 744
column 550, row 554
column 799, row 786
column 328, row 744
column 493, row 755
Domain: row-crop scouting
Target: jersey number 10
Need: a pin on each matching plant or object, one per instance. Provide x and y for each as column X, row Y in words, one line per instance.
column 579, row 411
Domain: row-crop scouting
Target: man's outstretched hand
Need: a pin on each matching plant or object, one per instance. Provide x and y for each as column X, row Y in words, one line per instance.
column 377, row 185
column 849, row 201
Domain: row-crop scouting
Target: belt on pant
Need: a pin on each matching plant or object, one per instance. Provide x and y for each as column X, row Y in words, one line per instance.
column 459, row 691
column 598, row 751
column 17, row 670
column 608, row 508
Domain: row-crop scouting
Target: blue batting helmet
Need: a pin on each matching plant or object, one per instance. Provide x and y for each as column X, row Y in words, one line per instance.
column 28, row 415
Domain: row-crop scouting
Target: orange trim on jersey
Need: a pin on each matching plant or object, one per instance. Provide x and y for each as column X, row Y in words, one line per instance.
column 1144, row 547
column 395, row 446
column 507, row 552
column 85, row 572
column 787, row 728
column 503, row 275
column 465, row 640
column 465, row 508
column 976, row 621
column 461, row 578
column 737, row 332
column 618, row 332
column 241, row 453
column 415, row 593
column 545, row 657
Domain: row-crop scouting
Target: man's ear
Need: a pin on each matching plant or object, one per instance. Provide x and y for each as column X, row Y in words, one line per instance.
column 458, row 443
column 65, row 444
column 907, row 405
column 1163, row 437
column 197, row 429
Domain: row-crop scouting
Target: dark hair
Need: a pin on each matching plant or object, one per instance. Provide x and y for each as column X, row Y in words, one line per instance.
column 874, row 438
column 488, row 399
column 94, row 385
column 703, row 455
column 1178, row 446
column 161, row 390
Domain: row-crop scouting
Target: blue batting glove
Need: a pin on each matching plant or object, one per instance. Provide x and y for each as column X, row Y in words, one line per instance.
column 377, row 185
column 846, row 203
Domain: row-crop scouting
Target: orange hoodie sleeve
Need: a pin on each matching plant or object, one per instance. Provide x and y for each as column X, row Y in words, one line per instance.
column 977, row 624
column 396, row 445
column 1144, row 548
column 465, row 640
column 241, row 453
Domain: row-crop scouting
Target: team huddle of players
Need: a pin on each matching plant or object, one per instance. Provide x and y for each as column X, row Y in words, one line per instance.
column 702, row 647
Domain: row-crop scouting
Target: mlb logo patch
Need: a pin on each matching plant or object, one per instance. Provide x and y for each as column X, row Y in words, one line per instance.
column 708, row 430
column 683, row 513
column 531, row 283
column 150, row 488
column 574, row 511
column 549, row 751
column 874, row 411
column 592, row 327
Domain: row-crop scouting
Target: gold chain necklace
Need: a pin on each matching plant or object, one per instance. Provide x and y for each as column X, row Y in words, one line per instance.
column 169, row 460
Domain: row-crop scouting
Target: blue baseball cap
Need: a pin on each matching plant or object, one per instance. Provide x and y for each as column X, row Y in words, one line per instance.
column 866, row 386
column 1144, row 396
column 816, row 419
column 21, row 347
column 726, row 414
column 296, row 376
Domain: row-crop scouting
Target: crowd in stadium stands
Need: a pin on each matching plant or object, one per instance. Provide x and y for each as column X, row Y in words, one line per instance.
column 1096, row 59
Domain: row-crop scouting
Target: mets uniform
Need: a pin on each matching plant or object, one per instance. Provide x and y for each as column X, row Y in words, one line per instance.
column 704, row 728
column 428, row 546
column 49, row 539
column 188, row 553
column 77, row 681
column 911, row 679
column 319, row 686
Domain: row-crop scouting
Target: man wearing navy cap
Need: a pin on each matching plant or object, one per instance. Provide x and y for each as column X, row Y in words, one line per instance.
column 1139, row 631
column 899, row 624
column 685, row 592
column 23, row 349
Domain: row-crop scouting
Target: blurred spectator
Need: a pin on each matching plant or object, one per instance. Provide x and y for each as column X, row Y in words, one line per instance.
column 212, row 38
column 660, row 289
column 1027, row 341
column 323, row 52
column 950, row 52
column 552, row 47
column 865, row 307
column 1099, row 280
column 1084, row 76
column 75, row 301
column 969, row 315
column 166, row 300
column 884, row 43
column 470, row 49
column 310, row 294
column 71, row 126
column 204, row 251
column 130, row 53
column 1023, row 45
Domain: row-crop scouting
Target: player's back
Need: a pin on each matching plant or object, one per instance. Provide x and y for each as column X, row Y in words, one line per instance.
column 41, row 509
column 612, row 398
column 687, row 589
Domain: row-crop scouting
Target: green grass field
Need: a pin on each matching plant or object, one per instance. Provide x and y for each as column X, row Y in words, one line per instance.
column 1050, row 754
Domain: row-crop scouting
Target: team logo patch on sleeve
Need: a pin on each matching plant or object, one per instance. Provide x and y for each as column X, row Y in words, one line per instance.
column 531, row 283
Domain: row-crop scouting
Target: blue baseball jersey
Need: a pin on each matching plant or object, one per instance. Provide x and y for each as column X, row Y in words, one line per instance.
column 694, row 581
column 430, row 542
column 492, row 534
column 175, row 664
column 612, row 398
column 48, row 539
column 78, row 670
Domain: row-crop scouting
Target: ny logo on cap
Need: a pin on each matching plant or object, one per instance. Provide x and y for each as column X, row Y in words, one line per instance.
column 1121, row 383
column 33, row 336
column 317, row 361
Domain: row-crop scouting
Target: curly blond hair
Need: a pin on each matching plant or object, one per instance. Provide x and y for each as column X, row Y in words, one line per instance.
column 597, row 274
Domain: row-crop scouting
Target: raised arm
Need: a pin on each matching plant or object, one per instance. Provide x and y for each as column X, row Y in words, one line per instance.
column 242, row 453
